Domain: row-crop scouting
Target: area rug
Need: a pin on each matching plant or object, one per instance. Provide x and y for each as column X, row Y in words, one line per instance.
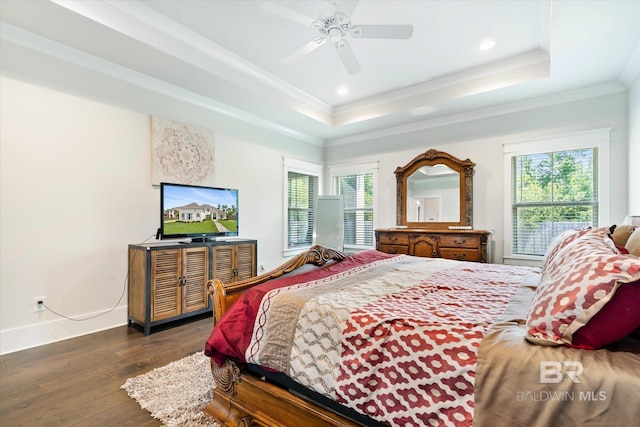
column 176, row 393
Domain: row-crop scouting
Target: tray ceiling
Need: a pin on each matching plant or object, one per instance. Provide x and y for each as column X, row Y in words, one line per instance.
column 228, row 56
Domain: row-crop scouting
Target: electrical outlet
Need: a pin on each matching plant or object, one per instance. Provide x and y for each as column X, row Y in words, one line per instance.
column 38, row 304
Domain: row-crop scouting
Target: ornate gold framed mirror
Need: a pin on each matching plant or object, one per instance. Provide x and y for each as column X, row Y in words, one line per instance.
column 435, row 191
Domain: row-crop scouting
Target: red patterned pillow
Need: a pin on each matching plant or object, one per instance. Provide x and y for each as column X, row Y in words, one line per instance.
column 560, row 241
column 577, row 283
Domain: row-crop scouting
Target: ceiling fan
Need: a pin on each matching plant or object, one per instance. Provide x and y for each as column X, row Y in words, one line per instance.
column 335, row 26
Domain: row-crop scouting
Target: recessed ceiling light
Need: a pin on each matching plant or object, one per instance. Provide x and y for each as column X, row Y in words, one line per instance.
column 487, row 44
column 343, row 90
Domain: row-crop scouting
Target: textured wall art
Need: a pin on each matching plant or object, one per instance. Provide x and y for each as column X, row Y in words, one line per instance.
column 180, row 153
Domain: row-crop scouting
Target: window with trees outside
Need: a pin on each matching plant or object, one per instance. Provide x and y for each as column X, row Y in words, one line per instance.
column 554, row 191
column 356, row 185
column 302, row 189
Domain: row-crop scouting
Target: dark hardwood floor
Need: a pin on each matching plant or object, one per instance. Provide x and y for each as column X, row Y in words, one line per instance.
column 77, row 382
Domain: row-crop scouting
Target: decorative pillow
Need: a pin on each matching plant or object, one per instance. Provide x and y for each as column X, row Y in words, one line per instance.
column 622, row 250
column 608, row 240
column 621, row 234
column 617, row 319
column 577, row 283
column 633, row 243
column 560, row 241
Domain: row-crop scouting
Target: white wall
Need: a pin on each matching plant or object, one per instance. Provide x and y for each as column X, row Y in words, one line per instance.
column 75, row 190
column 481, row 141
column 634, row 148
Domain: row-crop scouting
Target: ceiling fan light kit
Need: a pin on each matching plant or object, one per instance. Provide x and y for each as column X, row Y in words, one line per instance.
column 336, row 27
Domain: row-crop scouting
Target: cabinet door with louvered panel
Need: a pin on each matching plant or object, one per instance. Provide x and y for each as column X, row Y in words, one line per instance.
column 195, row 272
column 223, row 267
column 165, row 284
column 245, row 261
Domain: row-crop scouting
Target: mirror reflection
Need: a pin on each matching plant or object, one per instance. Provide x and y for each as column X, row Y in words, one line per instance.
column 433, row 194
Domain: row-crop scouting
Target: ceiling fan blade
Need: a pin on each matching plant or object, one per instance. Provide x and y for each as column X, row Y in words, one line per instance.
column 346, row 7
column 382, row 31
column 348, row 57
column 286, row 13
column 304, row 50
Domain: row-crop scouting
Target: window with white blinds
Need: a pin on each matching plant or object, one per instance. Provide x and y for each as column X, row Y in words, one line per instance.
column 301, row 189
column 552, row 192
column 555, row 186
column 301, row 195
column 357, row 187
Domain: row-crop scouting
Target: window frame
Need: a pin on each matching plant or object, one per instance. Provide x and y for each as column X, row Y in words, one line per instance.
column 357, row 169
column 302, row 167
column 596, row 138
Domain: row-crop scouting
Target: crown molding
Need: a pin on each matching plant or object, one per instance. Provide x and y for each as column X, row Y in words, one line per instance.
column 134, row 19
column 34, row 42
column 507, row 72
column 631, row 71
column 499, row 110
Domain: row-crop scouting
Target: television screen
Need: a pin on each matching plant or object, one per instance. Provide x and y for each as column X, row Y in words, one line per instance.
column 197, row 212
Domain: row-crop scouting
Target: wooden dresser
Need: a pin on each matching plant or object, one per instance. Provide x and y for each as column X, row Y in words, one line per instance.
column 464, row 245
column 168, row 280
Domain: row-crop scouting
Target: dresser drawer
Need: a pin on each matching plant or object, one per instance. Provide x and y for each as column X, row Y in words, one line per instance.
column 460, row 241
column 393, row 239
column 394, row 249
column 463, row 245
column 461, row 254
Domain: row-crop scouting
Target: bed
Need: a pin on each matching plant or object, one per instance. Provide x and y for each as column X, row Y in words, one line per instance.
column 394, row 340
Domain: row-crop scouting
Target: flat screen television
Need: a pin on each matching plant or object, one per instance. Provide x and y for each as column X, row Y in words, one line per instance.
column 201, row 213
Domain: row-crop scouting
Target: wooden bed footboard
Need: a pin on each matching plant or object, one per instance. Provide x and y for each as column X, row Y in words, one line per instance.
column 241, row 398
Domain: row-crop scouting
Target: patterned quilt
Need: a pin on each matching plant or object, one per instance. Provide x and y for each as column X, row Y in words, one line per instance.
column 395, row 338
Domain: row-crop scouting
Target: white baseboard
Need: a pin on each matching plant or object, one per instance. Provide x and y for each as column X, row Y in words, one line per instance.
column 35, row 335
